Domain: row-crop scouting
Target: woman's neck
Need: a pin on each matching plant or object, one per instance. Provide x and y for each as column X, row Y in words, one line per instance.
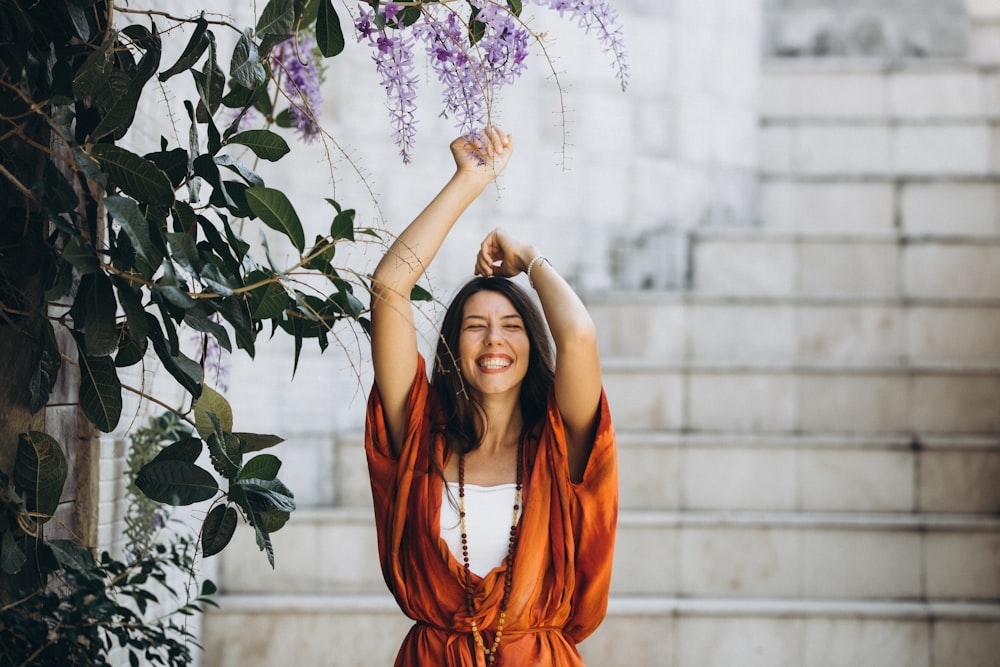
column 502, row 423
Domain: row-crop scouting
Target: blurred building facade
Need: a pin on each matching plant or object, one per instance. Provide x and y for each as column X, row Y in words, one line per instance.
column 788, row 231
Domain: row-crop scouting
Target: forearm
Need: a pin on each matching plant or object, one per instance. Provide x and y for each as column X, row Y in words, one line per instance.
column 414, row 249
column 569, row 322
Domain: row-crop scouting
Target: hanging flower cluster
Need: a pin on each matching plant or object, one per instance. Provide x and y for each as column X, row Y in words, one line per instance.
column 293, row 64
column 474, row 54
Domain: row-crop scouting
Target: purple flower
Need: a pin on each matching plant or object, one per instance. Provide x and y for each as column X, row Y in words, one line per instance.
column 394, row 61
column 294, row 67
column 600, row 17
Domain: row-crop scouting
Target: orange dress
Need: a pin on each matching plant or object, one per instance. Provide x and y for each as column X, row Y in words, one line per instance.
column 562, row 567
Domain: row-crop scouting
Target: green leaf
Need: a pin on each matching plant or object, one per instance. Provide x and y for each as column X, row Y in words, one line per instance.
column 213, row 402
column 267, row 301
column 418, row 293
column 198, row 319
column 187, row 372
column 136, row 176
column 272, row 519
column 277, row 18
column 186, row 449
column 262, row 466
column 218, row 529
column 275, row 211
column 184, row 251
column 254, row 442
column 192, row 52
column 100, row 392
column 81, row 255
column 211, row 84
column 121, row 113
column 343, row 226
column 43, row 378
column 133, row 223
column 40, row 471
column 130, row 299
column 176, row 482
column 12, row 557
column 329, row 35
column 272, row 492
column 100, row 332
column 237, row 167
column 95, row 68
column 245, row 66
column 265, row 144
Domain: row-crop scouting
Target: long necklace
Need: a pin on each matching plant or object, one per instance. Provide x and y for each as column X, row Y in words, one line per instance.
column 491, row 652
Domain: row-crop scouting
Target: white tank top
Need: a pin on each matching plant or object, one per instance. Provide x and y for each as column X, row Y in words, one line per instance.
column 488, row 515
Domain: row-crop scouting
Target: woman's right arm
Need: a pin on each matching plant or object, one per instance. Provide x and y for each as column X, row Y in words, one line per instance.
column 394, row 339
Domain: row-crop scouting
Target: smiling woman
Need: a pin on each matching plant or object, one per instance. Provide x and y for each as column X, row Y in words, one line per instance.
column 495, row 484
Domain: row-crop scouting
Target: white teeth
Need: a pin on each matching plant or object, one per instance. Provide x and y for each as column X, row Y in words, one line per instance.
column 494, row 364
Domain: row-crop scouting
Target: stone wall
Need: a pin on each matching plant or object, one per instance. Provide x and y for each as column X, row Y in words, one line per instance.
column 885, row 29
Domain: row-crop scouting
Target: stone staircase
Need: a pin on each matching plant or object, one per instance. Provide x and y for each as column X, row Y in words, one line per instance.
column 809, row 434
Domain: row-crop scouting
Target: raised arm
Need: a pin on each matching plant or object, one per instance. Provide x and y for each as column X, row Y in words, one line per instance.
column 578, row 365
column 394, row 340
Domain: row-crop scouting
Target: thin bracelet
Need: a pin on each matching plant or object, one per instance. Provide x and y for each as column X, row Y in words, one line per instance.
column 531, row 265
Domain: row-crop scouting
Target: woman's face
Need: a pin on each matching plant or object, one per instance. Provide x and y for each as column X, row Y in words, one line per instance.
column 493, row 345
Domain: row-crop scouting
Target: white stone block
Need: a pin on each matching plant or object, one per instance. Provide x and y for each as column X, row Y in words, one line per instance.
column 860, row 564
column 352, row 487
column 935, row 150
column 965, row 642
column 982, row 10
column 960, row 480
column 849, row 334
column 742, row 402
column 872, row 642
column 830, row 207
column 631, row 640
column 734, row 333
column 655, row 332
column 951, row 270
column 777, row 145
column 726, row 642
column 963, row 566
column 870, row 403
column 849, row 150
column 955, row 335
column 645, row 400
column 937, row 95
column 950, row 209
column 733, row 478
column 735, row 561
column 953, row 403
column 853, row 480
column 833, row 94
column 644, row 560
column 649, row 475
column 738, row 268
column 847, row 269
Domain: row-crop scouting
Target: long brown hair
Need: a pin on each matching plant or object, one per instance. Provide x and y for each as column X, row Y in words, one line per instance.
column 460, row 408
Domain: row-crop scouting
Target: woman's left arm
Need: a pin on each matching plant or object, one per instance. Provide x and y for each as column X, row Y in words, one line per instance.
column 578, row 364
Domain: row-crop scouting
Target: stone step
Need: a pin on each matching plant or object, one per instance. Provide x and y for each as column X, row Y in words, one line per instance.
column 672, row 327
column 775, row 471
column 840, row 91
column 890, row 556
column 363, row 631
column 880, row 206
column 763, row 262
column 801, row 398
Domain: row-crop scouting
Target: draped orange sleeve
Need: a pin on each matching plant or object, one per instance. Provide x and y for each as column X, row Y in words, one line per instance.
column 562, row 567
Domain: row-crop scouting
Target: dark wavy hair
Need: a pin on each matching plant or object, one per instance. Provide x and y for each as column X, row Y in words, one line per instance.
column 460, row 408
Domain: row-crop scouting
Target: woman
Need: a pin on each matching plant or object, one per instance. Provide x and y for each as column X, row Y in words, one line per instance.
column 495, row 487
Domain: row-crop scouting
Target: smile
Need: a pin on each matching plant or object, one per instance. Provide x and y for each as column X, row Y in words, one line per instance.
column 493, row 363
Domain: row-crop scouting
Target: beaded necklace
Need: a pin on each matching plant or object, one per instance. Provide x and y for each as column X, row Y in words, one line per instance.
column 491, row 652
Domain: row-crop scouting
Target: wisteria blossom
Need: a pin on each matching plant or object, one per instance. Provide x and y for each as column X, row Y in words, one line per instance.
column 474, row 54
column 294, row 68
column 600, row 17
column 394, row 60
